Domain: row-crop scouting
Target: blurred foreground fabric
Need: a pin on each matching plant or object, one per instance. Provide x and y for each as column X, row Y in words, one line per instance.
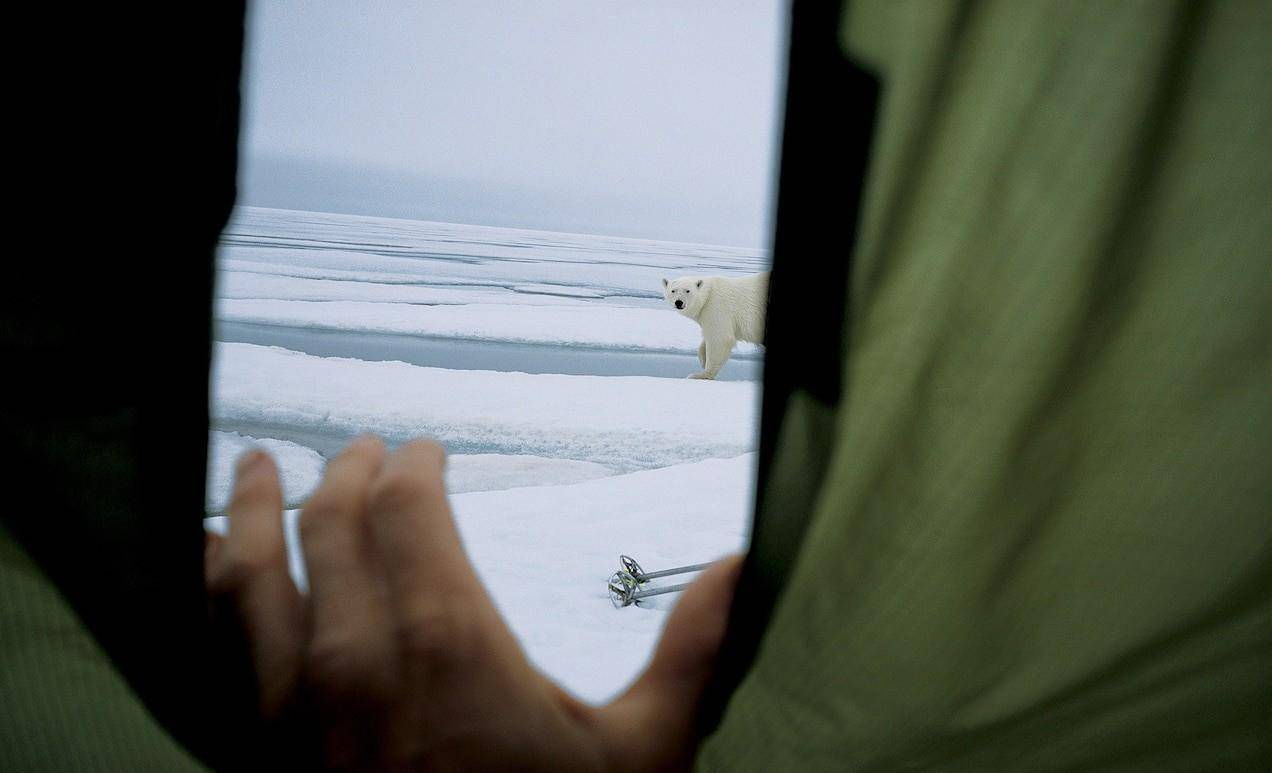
column 1025, row 521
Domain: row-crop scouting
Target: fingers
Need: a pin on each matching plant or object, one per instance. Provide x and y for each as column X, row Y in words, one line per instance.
column 346, row 598
column 388, row 576
column 404, row 644
column 249, row 565
column 255, row 509
column 413, row 529
column 399, row 655
column 254, row 548
column 663, row 701
column 445, row 626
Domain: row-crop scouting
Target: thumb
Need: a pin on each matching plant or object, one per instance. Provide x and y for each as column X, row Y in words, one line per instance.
column 663, row 702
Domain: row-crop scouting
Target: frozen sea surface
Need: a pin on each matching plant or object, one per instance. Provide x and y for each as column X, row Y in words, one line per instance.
column 626, row 423
column 324, row 284
column 546, row 363
column 465, row 354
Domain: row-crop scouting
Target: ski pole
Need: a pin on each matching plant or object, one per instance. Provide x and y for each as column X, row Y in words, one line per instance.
column 631, row 567
column 625, row 590
column 642, row 594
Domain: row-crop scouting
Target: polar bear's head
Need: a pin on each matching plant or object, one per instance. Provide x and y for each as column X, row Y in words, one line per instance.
column 686, row 294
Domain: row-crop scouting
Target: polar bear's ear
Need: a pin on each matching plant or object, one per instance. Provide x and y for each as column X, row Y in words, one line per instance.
column 700, row 283
column 664, row 281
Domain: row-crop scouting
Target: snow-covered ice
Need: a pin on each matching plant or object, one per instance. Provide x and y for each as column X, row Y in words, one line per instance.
column 546, row 553
column 624, row 423
column 300, row 470
column 383, row 275
column 553, row 473
column 396, row 245
column 299, row 467
column 495, row 472
column 610, row 327
column 272, row 282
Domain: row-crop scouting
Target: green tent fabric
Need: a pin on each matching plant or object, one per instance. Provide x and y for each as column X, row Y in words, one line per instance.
column 1033, row 528
column 65, row 707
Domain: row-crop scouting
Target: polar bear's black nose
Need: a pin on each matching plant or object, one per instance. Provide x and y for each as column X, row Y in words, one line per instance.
column 680, row 304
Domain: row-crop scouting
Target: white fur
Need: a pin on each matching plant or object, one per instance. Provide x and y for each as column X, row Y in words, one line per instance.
column 728, row 310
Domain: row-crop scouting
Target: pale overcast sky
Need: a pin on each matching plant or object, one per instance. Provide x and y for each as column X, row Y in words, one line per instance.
column 652, row 118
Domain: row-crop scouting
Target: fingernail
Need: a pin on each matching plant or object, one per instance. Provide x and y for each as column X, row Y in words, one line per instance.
column 250, row 461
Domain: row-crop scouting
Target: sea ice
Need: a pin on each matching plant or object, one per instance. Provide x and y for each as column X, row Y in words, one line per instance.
column 623, row 423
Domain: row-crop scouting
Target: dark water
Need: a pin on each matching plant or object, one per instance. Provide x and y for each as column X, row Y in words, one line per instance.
column 481, row 355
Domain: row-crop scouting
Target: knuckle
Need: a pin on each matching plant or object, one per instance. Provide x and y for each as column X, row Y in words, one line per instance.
column 311, row 518
column 438, row 632
column 235, row 567
column 323, row 508
column 340, row 661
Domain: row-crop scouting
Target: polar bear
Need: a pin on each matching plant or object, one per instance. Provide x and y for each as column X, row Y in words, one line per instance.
column 727, row 309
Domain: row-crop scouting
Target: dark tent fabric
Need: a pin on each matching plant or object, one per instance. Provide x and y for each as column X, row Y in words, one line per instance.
column 122, row 174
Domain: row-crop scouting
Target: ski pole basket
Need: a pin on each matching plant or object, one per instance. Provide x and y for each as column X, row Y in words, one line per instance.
column 627, row 585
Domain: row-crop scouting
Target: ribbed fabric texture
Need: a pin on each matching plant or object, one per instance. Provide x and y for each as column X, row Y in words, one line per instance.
column 1044, row 539
column 65, row 706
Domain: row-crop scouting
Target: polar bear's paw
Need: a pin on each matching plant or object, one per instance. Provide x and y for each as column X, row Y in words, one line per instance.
column 703, row 374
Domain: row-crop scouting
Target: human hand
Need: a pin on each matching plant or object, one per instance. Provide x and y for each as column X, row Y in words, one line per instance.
column 398, row 660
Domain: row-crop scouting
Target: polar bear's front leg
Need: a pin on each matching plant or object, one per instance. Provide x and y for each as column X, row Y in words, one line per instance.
column 702, row 354
column 717, row 353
